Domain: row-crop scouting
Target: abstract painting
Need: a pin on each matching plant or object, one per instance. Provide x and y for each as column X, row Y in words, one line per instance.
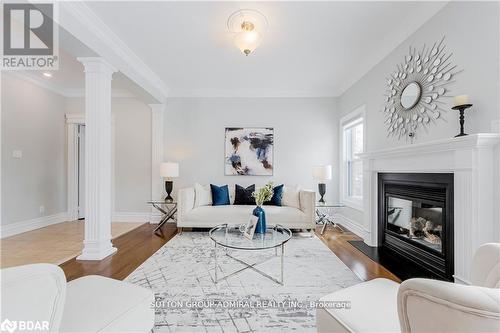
column 249, row 151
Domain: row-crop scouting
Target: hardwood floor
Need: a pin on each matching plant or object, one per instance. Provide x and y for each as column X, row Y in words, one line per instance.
column 133, row 247
column 365, row 268
column 139, row 244
column 54, row 244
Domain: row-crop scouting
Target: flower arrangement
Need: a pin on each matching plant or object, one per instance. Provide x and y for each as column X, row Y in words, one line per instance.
column 264, row 194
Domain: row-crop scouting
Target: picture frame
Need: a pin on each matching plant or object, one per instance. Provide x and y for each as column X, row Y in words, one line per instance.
column 249, row 151
column 250, row 227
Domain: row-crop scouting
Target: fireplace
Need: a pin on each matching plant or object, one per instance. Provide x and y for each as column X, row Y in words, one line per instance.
column 416, row 220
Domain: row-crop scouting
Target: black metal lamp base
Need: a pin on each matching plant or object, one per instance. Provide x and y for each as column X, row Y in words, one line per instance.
column 322, row 191
column 169, row 185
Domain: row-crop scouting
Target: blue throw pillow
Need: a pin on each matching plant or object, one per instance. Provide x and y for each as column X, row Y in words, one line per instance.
column 277, row 196
column 220, row 195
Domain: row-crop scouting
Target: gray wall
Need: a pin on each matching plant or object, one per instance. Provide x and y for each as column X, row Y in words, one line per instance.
column 305, row 135
column 32, row 121
column 132, row 123
column 472, row 34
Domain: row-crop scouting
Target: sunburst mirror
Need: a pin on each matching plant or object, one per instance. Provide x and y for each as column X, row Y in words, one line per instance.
column 413, row 98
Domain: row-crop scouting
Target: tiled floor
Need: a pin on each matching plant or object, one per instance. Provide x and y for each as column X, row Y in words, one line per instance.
column 53, row 244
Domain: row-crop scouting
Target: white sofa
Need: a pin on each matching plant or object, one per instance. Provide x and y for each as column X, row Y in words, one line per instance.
column 39, row 293
column 189, row 216
column 421, row 305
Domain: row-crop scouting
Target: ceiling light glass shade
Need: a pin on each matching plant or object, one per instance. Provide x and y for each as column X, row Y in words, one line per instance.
column 247, row 41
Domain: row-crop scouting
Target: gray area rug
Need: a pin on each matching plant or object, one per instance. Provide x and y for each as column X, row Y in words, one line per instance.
column 181, row 274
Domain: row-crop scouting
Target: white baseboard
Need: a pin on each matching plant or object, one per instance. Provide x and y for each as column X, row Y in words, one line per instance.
column 155, row 218
column 353, row 226
column 36, row 223
column 131, row 217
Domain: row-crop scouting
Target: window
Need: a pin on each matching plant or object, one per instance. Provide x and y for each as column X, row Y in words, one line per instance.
column 352, row 138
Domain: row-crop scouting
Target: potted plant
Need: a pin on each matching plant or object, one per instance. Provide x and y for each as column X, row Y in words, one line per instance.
column 261, row 196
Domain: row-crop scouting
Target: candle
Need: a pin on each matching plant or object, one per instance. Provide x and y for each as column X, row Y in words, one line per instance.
column 461, row 100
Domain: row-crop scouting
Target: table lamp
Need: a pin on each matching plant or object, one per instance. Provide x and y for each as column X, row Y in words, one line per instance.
column 169, row 170
column 321, row 174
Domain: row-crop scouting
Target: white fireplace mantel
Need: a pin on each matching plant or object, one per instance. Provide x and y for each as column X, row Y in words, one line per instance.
column 471, row 160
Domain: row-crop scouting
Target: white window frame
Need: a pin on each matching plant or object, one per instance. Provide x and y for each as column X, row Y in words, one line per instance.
column 353, row 117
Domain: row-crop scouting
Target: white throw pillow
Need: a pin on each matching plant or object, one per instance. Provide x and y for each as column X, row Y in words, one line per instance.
column 202, row 195
column 291, row 197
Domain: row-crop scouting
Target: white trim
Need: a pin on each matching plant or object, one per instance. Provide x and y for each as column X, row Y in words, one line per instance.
column 79, row 20
column 36, row 223
column 127, row 217
column 478, row 140
column 461, row 280
column 72, row 122
column 64, row 92
column 347, row 120
column 353, row 226
column 75, row 118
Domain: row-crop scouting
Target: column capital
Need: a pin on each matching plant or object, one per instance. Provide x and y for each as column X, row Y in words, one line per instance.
column 96, row 65
column 160, row 107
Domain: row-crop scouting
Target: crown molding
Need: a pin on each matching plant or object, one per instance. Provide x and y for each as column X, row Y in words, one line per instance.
column 79, row 20
column 58, row 89
column 249, row 93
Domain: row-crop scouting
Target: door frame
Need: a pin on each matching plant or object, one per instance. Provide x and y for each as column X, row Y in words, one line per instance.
column 73, row 120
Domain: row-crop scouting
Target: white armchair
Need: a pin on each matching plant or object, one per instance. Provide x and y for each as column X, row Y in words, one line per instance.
column 421, row 305
column 39, row 294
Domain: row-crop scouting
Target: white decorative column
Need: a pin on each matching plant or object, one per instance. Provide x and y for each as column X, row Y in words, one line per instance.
column 157, row 192
column 97, row 242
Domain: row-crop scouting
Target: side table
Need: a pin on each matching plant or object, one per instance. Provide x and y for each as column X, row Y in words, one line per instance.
column 168, row 210
column 324, row 215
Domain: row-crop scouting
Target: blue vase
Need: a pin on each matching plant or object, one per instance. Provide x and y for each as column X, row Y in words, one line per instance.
column 261, row 224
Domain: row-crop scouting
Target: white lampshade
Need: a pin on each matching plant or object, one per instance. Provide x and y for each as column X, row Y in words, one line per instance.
column 169, row 170
column 322, row 172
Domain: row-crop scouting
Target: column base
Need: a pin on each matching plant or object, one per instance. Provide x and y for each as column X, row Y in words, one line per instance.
column 96, row 251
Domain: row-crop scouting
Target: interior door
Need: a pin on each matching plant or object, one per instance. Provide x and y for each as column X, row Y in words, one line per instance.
column 81, row 171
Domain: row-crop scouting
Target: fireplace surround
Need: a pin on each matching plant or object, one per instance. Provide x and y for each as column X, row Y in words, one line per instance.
column 415, row 216
column 474, row 162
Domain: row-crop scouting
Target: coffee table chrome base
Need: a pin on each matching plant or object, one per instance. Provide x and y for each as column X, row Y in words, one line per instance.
column 250, row 266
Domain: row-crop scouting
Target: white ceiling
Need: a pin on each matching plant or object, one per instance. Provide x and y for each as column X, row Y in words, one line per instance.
column 310, row 48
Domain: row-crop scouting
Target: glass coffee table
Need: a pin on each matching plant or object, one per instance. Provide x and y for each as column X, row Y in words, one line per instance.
column 230, row 237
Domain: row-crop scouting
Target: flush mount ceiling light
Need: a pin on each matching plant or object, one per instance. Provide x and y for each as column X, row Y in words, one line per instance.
column 248, row 26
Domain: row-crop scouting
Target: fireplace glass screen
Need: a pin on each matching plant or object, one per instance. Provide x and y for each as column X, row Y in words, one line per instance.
column 415, row 220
